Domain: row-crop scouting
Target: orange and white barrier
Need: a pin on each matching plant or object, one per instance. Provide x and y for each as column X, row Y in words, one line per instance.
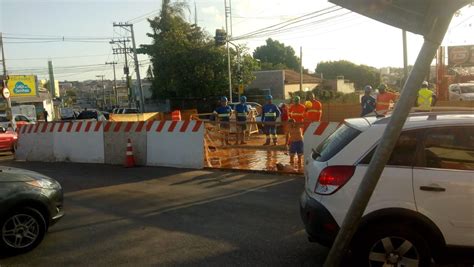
column 116, row 135
column 176, row 144
column 35, row 142
column 315, row 134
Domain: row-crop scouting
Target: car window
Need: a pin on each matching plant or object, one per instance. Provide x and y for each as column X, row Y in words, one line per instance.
column 336, row 142
column 448, row 148
column 4, row 119
column 403, row 153
column 85, row 115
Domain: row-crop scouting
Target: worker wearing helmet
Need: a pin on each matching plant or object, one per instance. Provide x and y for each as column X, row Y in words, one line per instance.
column 425, row 98
column 222, row 114
column 270, row 114
column 314, row 109
column 384, row 99
column 242, row 110
column 297, row 110
column 367, row 101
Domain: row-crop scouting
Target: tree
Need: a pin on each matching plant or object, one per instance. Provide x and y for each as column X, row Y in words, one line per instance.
column 361, row 75
column 275, row 55
column 185, row 61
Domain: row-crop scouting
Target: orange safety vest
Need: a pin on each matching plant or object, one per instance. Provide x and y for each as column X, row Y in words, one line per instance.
column 297, row 112
column 383, row 102
column 315, row 112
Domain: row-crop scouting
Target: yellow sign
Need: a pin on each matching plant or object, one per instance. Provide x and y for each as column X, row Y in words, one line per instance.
column 22, row 85
column 241, row 88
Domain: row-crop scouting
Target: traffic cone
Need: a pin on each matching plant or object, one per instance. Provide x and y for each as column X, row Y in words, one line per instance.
column 129, row 158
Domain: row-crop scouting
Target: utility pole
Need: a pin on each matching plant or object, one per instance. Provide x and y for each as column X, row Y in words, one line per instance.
column 103, row 90
column 137, row 66
column 52, row 84
column 301, row 69
column 124, row 50
column 8, row 110
column 227, row 15
column 115, row 82
column 405, row 57
column 195, row 14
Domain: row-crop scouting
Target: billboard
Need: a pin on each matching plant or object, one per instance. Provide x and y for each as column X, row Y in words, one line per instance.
column 22, row 85
column 461, row 56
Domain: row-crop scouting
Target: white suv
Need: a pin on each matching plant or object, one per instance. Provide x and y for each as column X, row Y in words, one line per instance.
column 423, row 202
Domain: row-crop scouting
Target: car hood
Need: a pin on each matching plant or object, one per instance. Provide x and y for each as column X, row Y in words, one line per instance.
column 9, row 174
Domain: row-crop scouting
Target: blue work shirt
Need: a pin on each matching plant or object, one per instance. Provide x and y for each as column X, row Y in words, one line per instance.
column 223, row 113
column 242, row 111
column 270, row 112
column 368, row 105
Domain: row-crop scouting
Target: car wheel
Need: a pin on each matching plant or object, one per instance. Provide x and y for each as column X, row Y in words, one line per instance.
column 14, row 148
column 391, row 245
column 22, row 230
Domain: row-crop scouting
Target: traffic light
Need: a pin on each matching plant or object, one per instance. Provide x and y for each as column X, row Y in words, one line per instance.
column 240, row 78
column 221, row 37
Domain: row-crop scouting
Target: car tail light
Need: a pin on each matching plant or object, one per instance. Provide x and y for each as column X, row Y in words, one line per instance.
column 332, row 178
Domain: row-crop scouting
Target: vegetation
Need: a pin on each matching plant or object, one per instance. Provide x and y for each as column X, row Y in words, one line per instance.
column 276, row 56
column 361, row 75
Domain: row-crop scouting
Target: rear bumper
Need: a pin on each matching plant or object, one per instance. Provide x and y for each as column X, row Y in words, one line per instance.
column 319, row 223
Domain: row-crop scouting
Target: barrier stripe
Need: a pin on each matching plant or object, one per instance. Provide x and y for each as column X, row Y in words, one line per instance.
column 88, row 126
column 321, row 128
column 160, row 126
column 97, row 126
column 61, row 126
column 30, row 128
column 107, row 126
column 69, row 127
column 128, row 126
column 45, row 126
column 149, row 124
column 78, row 127
column 52, row 127
column 197, row 126
column 117, row 127
column 22, row 130
column 172, row 126
column 140, row 126
column 184, row 126
column 37, row 127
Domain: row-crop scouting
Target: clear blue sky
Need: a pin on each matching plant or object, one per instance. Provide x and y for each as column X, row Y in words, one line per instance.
column 353, row 37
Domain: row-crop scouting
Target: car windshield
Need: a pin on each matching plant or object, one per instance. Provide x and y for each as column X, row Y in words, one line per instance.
column 466, row 89
column 130, row 111
column 336, row 142
column 4, row 119
column 85, row 115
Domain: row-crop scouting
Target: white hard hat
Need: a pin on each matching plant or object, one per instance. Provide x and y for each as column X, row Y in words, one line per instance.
column 425, row 83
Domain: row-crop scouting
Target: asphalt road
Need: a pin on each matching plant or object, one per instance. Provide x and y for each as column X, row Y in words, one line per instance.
column 172, row 217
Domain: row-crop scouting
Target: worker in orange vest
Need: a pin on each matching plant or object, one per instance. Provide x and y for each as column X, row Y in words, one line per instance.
column 314, row 109
column 297, row 110
column 384, row 98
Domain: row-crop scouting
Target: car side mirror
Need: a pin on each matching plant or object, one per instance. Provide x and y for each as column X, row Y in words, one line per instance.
column 3, row 130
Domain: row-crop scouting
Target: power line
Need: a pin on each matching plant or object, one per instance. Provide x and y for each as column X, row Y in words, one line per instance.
column 43, row 58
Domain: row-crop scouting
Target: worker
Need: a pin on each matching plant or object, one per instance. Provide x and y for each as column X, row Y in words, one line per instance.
column 294, row 142
column 384, row 99
column 297, row 110
column 242, row 110
column 314, row 109
column 270, row 114
column 223, row 113
column 425, row 98
column 367, row 101
column 284, row 116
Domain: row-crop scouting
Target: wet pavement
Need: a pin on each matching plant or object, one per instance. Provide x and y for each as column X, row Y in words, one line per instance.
column 253, row 156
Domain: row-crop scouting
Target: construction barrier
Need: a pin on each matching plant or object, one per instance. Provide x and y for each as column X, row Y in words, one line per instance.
column 35, row 142
column 151, row 116
column 176, row 144
column 116, row 135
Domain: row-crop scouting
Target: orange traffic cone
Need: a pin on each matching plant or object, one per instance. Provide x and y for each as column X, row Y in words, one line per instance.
column 129, row 158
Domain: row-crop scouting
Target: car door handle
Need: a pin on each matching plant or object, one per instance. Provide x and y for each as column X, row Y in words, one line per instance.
column 433, row 188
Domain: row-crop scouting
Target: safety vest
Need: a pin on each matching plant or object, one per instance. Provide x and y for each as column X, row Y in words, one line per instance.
column 297, row 112
column 315, row 112
column 383, row 102
column 425, row 98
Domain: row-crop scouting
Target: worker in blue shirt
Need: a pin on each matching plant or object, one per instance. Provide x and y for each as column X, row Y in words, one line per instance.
column 367, row 101
column 222, row 114
column 242, row 110
column 270, row 114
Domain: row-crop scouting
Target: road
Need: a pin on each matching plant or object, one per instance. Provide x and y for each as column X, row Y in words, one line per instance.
column 162, row 216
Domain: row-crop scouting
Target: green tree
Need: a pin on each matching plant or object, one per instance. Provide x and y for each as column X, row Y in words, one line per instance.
column 361, row 75
column 185, row 61
column 275, row 55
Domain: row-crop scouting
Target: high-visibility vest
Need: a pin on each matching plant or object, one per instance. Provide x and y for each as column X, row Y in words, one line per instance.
column 297, row 112
column 315, row 112
column 425, row 98
column 383, row 102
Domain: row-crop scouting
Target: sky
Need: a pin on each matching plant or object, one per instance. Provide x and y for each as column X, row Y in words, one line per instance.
column 89, row 24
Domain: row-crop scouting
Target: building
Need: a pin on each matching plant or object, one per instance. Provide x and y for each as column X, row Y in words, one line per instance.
column 340, row 85
column 281, row 83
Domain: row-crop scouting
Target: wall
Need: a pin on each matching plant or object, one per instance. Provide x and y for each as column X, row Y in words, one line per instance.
column 290, row 88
